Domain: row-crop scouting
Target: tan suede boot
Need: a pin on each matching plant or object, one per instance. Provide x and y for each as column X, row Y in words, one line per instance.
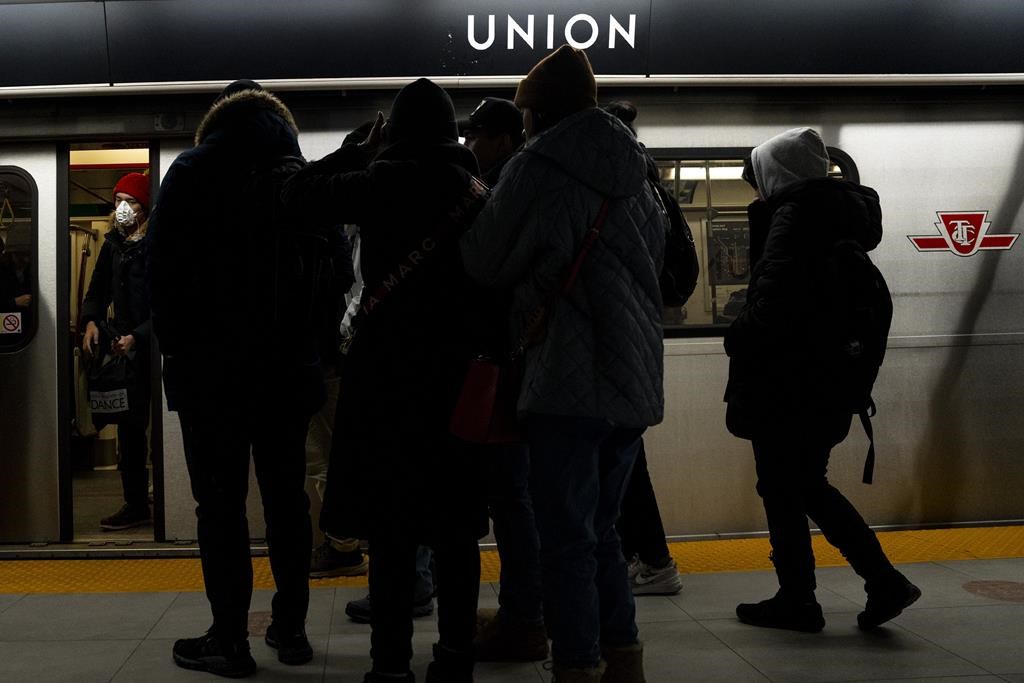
column 578, row 675
column 501, row 640
column 625, row 664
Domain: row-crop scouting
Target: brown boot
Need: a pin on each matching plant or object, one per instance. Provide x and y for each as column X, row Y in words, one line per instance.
column 578, row 675
column 625, row 664
column 504, row 640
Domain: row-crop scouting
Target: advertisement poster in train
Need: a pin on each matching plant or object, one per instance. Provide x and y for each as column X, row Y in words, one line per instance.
column 728, row 266
column 963, row 233
column 729, row 257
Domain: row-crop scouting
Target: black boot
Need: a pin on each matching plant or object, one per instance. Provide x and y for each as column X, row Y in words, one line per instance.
column 216, row 656
column 796, row 613
column 887, row 598
column 291, row 644
column 450, row 666
column 373, row 677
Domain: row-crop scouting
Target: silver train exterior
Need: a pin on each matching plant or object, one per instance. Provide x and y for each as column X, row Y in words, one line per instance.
column 949, row 448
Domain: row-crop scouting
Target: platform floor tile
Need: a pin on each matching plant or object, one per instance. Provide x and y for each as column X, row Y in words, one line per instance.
column 67, row 616
column 67, row 662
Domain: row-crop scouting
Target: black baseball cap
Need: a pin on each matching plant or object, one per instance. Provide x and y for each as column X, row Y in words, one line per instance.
column 495, row 116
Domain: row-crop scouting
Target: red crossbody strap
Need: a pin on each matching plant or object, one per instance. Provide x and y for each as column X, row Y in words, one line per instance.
column 588, row 242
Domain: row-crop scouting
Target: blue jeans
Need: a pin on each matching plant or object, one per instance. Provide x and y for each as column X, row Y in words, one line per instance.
column 424, row 574
column 515, row 532
column 578, row 473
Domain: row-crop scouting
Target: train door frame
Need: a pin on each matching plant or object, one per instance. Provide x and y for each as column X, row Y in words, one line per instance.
column 65, row 402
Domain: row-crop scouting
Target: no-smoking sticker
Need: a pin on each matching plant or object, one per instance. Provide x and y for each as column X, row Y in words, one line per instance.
column 10, row 323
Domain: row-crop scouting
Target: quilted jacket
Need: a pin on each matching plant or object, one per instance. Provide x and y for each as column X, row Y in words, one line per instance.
column 602, row 355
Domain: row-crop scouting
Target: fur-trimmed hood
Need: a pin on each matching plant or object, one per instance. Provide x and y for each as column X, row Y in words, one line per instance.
column 246, row 102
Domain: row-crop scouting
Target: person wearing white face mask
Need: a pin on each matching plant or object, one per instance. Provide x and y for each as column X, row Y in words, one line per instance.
column 119, row 279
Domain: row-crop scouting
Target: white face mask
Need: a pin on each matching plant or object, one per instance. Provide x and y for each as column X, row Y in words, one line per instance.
column 124, row 216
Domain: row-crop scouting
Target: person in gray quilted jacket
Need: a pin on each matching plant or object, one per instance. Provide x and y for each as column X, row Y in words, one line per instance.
column 594, row 384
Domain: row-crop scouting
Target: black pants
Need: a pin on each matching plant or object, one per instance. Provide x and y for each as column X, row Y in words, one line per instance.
column 132, row 458
column 515, row 532
column 217, row 453
column 392, row 582
column 792, row 483
column 639, row 525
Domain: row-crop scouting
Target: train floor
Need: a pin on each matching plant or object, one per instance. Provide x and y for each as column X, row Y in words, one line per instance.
column 115, row 620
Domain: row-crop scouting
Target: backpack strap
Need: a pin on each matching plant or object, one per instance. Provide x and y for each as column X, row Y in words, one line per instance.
column 865, row 419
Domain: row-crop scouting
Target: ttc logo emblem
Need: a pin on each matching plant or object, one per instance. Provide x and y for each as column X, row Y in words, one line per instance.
column 964, row 234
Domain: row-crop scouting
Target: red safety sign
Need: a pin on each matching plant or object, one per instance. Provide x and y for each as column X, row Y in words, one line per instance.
column 964, row 233
column 10, row 323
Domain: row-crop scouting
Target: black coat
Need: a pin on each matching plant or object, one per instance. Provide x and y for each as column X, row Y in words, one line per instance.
column 220, row 305
column 120, row 278
column 402, row 374
column 774, row 369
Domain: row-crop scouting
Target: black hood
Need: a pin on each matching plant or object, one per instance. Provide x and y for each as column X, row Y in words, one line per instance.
column 837, row 209
column 254, row 121
column 437, row 151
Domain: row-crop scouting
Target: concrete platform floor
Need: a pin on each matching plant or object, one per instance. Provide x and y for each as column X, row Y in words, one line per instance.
column 968, row 626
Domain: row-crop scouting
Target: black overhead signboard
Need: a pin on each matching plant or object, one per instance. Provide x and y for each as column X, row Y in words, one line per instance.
column 54, row 43
column 796, row 37
column 191, row 40
column 123, row 42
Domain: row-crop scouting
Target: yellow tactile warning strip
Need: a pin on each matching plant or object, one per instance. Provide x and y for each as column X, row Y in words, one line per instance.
column 106, row 576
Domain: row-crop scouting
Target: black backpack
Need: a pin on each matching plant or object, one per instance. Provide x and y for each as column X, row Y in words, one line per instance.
column 855, row 333
column 678, row 277
column 300, row 254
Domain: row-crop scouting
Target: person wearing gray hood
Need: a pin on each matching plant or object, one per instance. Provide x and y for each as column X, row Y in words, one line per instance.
column 780, row 392
column 594, row 383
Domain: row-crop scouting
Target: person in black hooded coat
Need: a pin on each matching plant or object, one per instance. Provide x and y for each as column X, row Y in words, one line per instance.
column 397, row 477
column 778, row 397
column 240, row 364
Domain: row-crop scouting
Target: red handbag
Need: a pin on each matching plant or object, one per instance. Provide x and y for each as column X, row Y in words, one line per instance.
column 486, row 411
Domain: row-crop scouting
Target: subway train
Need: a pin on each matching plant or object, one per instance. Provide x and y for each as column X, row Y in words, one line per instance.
column 929, row 113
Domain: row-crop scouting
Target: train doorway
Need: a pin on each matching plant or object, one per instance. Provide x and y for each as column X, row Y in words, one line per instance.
column 112, row 478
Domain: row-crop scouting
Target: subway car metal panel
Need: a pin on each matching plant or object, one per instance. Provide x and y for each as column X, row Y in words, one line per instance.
column 948, row 448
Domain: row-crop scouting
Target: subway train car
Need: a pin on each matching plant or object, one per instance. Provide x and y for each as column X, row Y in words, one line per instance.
column 920, row 99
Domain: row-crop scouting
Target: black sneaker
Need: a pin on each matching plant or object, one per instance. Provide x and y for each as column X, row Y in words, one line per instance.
column 374, row 677
column 127, row 517
column 207, row 653
column 359, row 610
column 292, row 645
column 783, row 612
column 450, row 666
column 329, row 561
column 887, row 599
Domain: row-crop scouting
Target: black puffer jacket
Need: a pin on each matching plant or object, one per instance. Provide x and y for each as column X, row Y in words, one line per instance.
column 120, row 278
column 220, row 298
column 773, row 374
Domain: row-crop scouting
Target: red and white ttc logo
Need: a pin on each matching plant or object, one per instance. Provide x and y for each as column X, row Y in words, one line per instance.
column 964, row 233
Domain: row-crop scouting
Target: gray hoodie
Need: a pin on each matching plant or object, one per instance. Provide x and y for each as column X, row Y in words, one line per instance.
column 797, row 154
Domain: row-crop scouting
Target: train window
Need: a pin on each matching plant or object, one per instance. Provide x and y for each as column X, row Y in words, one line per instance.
column 19, row 291
column 713, row 197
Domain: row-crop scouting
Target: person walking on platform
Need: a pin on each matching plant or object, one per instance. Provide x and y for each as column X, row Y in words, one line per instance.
column 119, row 278
column 515, row 631
column 397, row 477
column 574, row 229
column 240, row 364
column 781, row 391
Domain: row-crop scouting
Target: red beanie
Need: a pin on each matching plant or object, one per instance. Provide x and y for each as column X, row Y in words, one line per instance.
column 136, row 185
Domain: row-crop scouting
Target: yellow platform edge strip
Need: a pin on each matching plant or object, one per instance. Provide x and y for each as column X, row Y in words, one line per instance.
column 692, row 557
